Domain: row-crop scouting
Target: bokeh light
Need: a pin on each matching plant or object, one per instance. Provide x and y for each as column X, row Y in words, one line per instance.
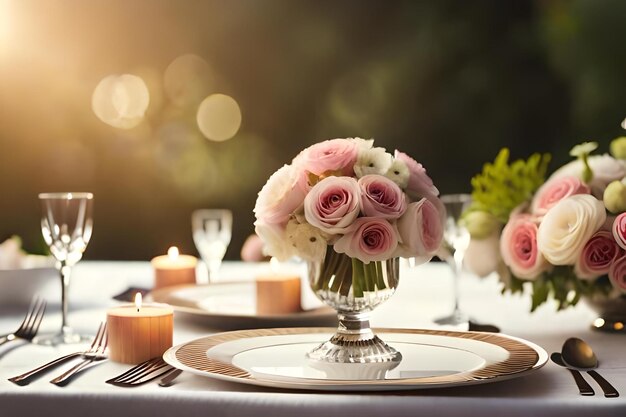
column 121, row 100
column 187, row 80
column 219, row 117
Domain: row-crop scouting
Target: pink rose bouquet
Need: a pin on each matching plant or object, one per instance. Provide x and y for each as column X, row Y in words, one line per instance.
column 345, row 196
column 566, row 235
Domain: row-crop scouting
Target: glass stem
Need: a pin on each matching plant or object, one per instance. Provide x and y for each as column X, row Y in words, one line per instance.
column 458, row 268
column 65, row 286
column 355, row 325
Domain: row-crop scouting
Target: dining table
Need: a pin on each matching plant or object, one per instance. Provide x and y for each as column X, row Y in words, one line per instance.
column 424, row 293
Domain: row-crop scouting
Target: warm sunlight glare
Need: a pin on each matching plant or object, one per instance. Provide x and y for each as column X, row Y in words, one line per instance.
column 5, row 24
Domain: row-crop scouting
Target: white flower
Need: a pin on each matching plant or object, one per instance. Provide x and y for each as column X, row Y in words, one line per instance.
column 275, row 241
column 399, row 173
column 308, row 241
column 362, row 144
column 372, row 161
column 584, row 148
column 566, row 228
column 606, row 169
column 280, row 197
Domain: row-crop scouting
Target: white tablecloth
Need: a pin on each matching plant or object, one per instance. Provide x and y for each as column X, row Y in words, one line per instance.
column 422, row 295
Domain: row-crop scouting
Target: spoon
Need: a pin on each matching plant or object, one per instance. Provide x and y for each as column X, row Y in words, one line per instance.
column 583, row 386
column 578, row 354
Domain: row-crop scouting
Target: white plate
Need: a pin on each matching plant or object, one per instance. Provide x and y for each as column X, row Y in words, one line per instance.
column 430, row 359
column 232, row 305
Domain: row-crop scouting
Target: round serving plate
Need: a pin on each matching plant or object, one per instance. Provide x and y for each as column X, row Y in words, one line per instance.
column 430, row 359
column 232, row 305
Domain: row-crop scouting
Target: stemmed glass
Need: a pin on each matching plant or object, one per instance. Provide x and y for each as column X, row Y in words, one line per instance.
column 456, row 240
column 212, row 230
column 66, row 225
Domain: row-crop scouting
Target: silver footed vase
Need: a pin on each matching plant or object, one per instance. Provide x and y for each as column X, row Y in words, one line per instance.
column 354, row 289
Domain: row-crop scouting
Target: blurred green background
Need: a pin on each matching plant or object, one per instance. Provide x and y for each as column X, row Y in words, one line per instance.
column 448, row 82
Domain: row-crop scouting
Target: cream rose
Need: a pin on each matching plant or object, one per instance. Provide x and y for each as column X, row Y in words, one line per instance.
column 567, row 226
column 279, row 197
column 275, row 241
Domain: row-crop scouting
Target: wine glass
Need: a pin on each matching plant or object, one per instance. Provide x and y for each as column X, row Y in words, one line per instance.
column 456, row 240
column 212, row 230
column 66, row 225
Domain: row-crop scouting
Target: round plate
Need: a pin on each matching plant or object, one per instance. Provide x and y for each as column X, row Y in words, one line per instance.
column 430, row 359
column 232, row 305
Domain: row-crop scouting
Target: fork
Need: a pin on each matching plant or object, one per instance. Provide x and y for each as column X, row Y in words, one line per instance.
column 30, row 325
column 27, row 377
column 96, row 353
column 142, row 373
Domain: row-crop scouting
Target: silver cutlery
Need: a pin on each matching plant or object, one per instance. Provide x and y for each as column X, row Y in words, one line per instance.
column 577, row 354
column 30, row 325
column 168, row 380
column 583, row 386
column 26, row 378
column 97, row 354
column 144, row 372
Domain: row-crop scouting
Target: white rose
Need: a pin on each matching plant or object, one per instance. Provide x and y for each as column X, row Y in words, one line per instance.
column 372, row 161
column 567, row 226
column 279, row 197
column 399, row 173
column 275, row 241
column 308, row 241
column 606, row 169
column 362, row 144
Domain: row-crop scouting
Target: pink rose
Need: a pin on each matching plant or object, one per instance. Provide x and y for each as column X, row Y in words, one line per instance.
column 369, row 239
column 556, row 190
column 606, row 169
column 421, row 229
column 597, row 256
column 381, row 197
column 619, row 230
column 252, row 249
column 617, row 274
column 518, row 247
column 333, row 204
column 335, row 155
column 279, row 197
column 419, row 182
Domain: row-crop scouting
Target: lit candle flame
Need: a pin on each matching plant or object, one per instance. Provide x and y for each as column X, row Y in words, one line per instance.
column 138, row 300
column 274, row 265
column 173, row 253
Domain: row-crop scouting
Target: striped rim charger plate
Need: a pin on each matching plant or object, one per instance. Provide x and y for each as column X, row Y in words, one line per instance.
column 430, row 359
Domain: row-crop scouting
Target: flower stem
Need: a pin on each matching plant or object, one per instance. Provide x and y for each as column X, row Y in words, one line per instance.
column 357, row 278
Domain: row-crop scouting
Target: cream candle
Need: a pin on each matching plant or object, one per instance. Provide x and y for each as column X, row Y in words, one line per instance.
column 139, row 332
column 174, row 269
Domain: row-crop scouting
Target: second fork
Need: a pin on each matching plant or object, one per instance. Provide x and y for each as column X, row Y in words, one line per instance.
column 96, row 353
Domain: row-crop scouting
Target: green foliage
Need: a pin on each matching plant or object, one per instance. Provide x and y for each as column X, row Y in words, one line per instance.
column 501, row 186
column 560, row 284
